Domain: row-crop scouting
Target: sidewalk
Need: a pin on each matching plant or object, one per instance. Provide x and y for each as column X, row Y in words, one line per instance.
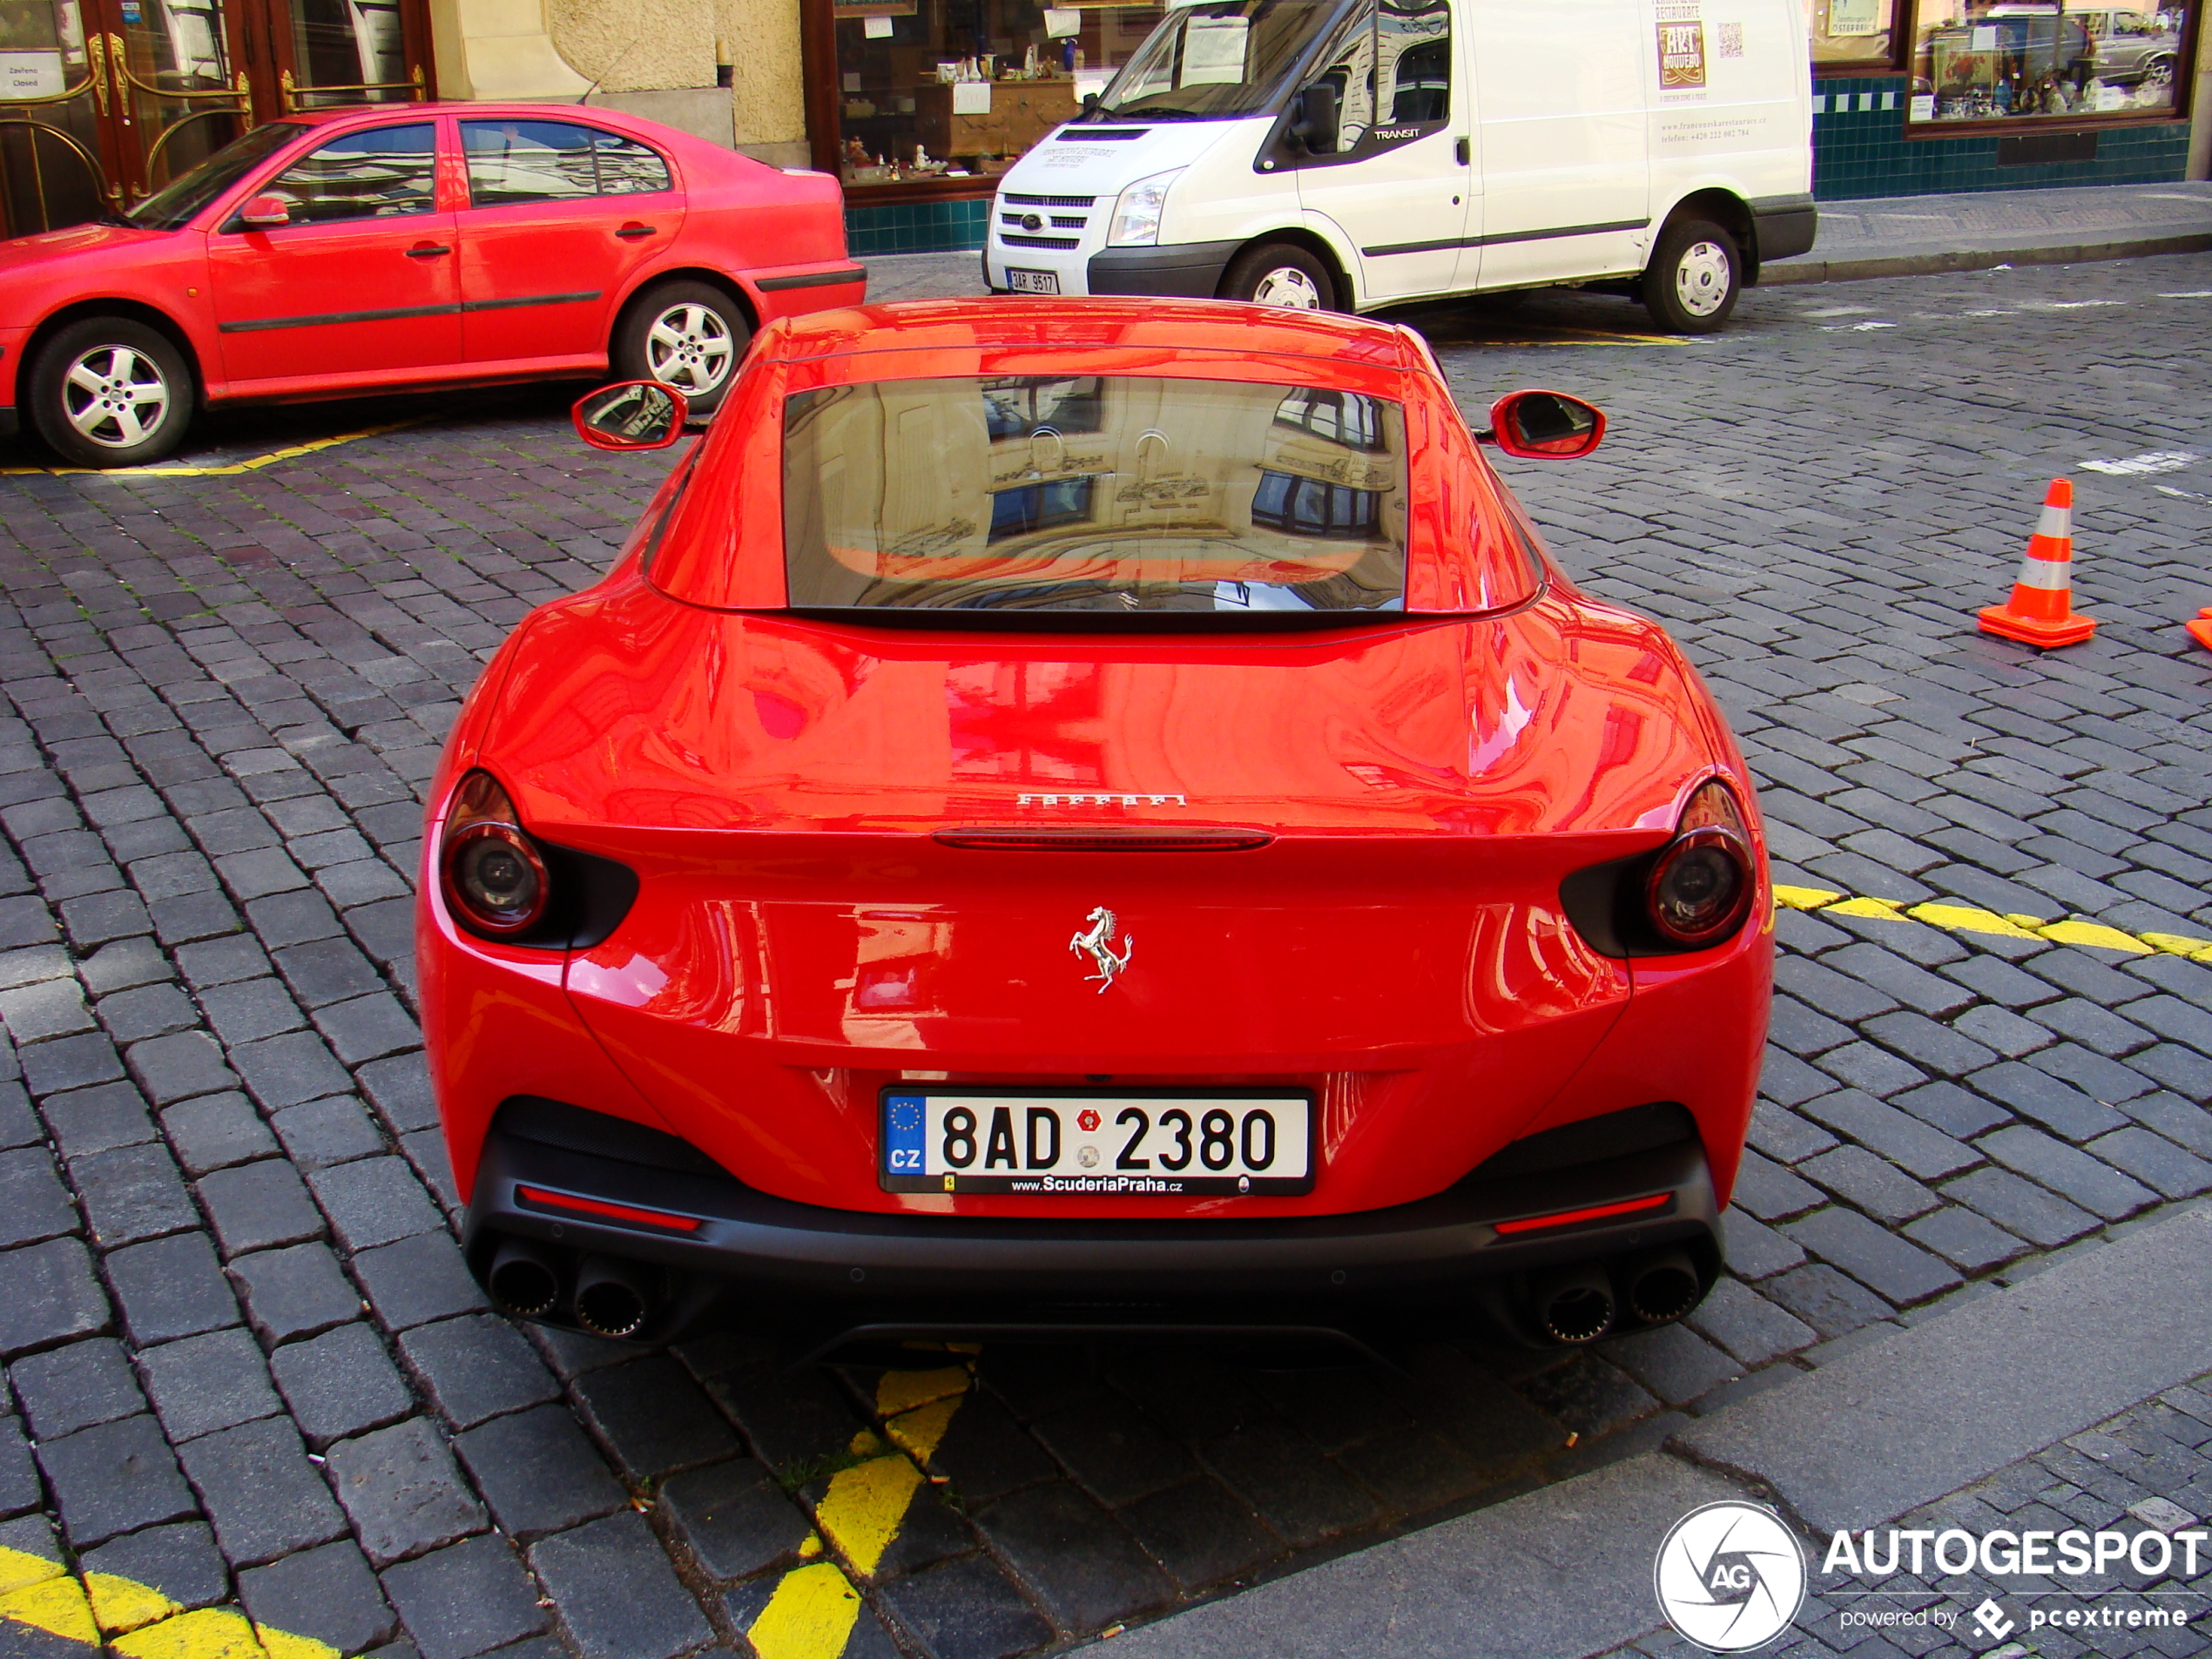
column 1882, row 1432
column 1888, row 236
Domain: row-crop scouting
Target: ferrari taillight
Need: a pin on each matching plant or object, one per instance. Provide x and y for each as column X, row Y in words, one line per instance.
column 494, row 878
column 1701, row 884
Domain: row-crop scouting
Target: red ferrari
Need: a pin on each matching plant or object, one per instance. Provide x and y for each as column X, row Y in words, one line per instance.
column 1081, row 815
column 370, row 250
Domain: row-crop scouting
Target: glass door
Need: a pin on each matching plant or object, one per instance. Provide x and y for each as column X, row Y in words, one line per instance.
column 177, row 91
column 55, row 151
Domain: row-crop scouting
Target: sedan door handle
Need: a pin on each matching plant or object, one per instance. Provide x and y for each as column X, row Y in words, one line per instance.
column 634, row 231
column 427, row 250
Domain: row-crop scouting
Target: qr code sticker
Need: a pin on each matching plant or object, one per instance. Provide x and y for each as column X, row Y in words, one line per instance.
column 1731, row 40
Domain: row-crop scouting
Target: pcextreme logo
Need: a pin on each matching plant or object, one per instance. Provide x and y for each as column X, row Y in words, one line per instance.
column 1730, row 1577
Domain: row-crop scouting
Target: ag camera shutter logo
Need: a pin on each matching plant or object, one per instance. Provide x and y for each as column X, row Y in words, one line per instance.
column 1730, row 1577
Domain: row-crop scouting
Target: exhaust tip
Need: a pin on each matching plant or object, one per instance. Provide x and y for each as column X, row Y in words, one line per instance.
column 522, row 1281
column 1574, row 1304
column 612, row 1299
column 1662, row 1288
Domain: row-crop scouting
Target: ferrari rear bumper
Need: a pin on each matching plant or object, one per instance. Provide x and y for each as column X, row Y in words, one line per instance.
column 574, row 1186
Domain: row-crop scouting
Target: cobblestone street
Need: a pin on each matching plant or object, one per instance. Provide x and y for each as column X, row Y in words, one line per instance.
column 247, row 1370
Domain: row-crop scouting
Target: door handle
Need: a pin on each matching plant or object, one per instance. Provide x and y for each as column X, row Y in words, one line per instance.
column 634, row 231
column 1461, row 151
column 427, row 250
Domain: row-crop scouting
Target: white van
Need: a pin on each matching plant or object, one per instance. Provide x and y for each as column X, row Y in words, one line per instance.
column 1350, row 154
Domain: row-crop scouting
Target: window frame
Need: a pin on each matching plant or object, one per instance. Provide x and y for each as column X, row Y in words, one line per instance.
column 2070, row 122
column 463, row 120
column 266, row 184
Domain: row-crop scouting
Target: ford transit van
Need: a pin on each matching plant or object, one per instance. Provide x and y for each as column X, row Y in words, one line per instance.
column 1351, row 154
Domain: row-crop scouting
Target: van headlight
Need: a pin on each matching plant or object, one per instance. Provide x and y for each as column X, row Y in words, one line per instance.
column 1136, row 215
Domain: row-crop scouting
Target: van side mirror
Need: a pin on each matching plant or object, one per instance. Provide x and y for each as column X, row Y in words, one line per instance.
column 1317, row 119
column 264, row 212
column 1544, row 425
column 635, row 414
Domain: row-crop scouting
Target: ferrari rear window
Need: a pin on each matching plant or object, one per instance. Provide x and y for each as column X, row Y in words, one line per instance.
column 1111, row 493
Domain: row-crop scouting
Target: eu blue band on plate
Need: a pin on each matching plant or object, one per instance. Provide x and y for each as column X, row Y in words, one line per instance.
column 902, row 1132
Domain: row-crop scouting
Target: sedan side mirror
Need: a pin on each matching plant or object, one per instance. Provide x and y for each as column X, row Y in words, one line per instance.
column 1318, row 120
column 635, row 414
column 1545, row 426
column 266, row 213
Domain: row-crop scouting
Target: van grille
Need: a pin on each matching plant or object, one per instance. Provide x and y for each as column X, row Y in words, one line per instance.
column 1040, row 241
column 1048, row 201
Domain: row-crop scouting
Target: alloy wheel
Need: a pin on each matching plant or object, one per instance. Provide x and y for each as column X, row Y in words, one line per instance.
column 115, row 396
column 1287, row 287
column 1702, row 279
column 689, row 347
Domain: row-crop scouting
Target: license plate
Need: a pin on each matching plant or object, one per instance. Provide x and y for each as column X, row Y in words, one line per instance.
column 1032, row 281
column 1104, row 1146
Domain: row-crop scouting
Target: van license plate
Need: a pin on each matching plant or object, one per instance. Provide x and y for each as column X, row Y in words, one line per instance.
column 1102, row 1145
column 1032, row 281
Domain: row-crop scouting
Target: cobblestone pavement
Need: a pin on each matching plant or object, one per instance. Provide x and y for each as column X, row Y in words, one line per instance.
column 245, row 1365
column 2147, row 1470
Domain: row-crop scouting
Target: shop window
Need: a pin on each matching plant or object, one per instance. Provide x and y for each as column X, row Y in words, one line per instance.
column 383, row 172
column 1849, row 34
column 535, row 161
column 931, row 90
column 2020, row 59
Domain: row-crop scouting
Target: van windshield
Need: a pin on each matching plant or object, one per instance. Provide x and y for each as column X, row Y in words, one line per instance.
column 1216, row 60
column 1109, row 493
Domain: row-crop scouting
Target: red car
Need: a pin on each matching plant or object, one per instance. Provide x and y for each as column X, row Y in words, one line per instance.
column 369, row 250
column 1061, row 812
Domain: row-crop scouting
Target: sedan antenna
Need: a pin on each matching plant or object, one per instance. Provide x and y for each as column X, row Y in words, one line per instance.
column 600, row 78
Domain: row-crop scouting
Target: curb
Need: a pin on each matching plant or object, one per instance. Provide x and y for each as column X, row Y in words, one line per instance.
column 1803, row 269
column 1565, row 1572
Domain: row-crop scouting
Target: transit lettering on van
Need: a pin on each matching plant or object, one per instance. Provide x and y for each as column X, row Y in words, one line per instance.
column 1354, row 154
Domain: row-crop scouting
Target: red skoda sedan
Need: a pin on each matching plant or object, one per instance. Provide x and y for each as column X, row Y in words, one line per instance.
column 370, row 250
column 1088, row 814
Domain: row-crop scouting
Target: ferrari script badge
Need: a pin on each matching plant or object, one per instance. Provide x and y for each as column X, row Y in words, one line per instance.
column 1098, row 944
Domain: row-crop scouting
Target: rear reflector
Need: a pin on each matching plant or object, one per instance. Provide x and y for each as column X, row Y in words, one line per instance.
column 1597, row 1212
column 543, row 1199
column 1136, row 839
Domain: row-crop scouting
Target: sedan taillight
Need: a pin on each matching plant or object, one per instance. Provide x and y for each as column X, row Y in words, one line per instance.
column 1701, row 884
column 494, row 878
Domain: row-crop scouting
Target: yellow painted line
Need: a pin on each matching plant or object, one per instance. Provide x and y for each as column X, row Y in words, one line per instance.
column 1967, row 919
column 230, row 470
column 138, row 1621
column 813, row 1611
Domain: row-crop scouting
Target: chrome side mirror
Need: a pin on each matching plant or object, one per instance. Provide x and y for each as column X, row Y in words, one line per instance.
column 635, row 415
column 1544, row 425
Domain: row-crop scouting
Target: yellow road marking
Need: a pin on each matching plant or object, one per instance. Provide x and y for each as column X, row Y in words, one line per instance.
column 813, row 1609
column 1966, row 919
column 141, row 1623
column 231, row 470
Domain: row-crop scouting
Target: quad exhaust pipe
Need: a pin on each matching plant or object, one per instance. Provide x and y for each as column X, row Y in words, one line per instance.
column 523, row 1280
column 1573, row 1304
column 1581, row 1301
column 613, row 1298
column 1662, row 1286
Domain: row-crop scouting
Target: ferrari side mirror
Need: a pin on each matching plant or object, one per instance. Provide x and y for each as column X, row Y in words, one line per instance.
column 635, row 415
column 1544, row 425
column 266, row 213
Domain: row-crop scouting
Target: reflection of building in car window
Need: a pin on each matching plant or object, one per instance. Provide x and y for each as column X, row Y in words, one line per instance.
column 1039, row 507
column 1341, row 417
column 1307, row 507
column 379, row 173
column 525, row 161
column 1015, row 409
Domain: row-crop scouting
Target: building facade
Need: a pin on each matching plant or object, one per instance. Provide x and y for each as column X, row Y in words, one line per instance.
column 917, row 106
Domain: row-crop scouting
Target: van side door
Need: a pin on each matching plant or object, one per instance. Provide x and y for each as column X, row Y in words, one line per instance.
column 1559, row 93
column 1398, row 181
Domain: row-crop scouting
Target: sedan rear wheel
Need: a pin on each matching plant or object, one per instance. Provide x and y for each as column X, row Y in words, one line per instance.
column 684, row 334
column 110, row 391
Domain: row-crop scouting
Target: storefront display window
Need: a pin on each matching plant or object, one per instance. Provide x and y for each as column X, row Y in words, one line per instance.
column 1852, row 34
column 1975, row 60
column 951, row 90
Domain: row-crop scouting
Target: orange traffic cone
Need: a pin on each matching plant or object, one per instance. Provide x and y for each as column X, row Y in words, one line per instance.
column 2040, row 611
column 2200, row 629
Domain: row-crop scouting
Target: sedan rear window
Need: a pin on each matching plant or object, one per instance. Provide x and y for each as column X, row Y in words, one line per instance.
column 1112, row 493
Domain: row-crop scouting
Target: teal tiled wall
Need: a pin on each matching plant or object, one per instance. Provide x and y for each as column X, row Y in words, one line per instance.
column 1859, row 149
column 916, row 227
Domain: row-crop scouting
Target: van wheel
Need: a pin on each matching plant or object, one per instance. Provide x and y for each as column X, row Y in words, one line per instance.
column 1694, row 274
column 110, row 392
column 684, row 334
column 1278, row 274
